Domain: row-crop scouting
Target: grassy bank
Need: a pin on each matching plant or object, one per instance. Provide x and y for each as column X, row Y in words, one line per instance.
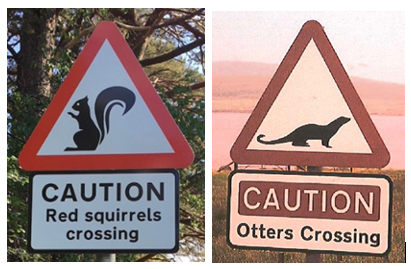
column 223, row 253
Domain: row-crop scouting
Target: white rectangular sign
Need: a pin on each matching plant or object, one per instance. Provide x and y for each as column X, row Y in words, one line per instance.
column 328, row 212
column 105, row 212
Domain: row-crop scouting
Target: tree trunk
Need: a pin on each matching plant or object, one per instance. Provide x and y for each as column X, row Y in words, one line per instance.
column 31, row 73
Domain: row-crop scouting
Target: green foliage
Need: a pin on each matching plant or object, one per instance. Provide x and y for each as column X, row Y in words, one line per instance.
column 171, row 75
column 23, row 113
column 189, row 113
column 17, row 188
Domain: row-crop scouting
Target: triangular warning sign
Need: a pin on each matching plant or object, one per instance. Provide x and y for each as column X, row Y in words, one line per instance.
column 310, row 113
column 105, row 116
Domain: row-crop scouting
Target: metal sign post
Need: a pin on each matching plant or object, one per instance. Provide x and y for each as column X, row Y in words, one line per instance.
column 106, row 257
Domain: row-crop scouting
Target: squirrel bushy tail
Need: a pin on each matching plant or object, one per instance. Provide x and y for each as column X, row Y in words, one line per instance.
column 106, row 100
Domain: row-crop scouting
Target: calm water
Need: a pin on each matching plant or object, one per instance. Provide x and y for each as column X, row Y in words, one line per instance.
column 227, row 126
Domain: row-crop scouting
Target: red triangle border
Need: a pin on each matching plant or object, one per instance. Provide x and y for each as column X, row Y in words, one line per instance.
column 183, row 154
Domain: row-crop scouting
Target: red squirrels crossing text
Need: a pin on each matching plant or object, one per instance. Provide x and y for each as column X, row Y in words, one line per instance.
column 101, row 193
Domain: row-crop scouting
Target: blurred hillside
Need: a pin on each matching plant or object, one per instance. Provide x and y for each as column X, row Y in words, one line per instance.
column 237, row 86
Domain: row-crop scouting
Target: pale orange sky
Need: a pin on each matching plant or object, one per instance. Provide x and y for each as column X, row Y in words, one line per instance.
column 369, row 44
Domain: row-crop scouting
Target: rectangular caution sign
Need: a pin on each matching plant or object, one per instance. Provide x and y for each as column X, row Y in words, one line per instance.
column 126, row 211
column 328, row 212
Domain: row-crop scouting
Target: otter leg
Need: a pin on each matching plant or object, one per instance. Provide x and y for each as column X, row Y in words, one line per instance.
column 326, row 143
column 300, row 143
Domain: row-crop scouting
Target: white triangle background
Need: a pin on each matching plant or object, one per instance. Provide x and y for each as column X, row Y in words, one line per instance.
column 137, row 132
column 310, row 95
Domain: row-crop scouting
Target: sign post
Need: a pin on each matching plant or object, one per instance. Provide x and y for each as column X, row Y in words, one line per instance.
column 103, row 157
column 106, row 257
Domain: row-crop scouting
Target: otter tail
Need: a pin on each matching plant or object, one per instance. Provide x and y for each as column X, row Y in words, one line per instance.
column 272, row 142
column 106, row 100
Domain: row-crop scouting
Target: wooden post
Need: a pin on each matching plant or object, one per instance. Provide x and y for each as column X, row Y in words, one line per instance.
column 313, row 256
column 281, row 257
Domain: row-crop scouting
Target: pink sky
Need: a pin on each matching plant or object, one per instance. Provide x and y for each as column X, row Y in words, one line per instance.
column 369, row 44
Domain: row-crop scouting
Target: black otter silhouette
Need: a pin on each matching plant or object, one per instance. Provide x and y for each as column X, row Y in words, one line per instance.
column 311, row 131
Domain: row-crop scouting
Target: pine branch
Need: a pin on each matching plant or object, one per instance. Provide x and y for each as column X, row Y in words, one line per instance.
column 83, row 33
column 172, row 54
column 12, row 51
column 171, row 21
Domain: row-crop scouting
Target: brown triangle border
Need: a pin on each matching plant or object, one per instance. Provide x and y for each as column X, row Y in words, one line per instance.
column 379, row 157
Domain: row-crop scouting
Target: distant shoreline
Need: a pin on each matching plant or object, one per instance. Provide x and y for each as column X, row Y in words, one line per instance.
column 228, row 125
column 237, row 87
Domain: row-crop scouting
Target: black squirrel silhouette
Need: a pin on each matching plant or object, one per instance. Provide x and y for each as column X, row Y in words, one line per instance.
column 91, row 135
column 311, row 131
